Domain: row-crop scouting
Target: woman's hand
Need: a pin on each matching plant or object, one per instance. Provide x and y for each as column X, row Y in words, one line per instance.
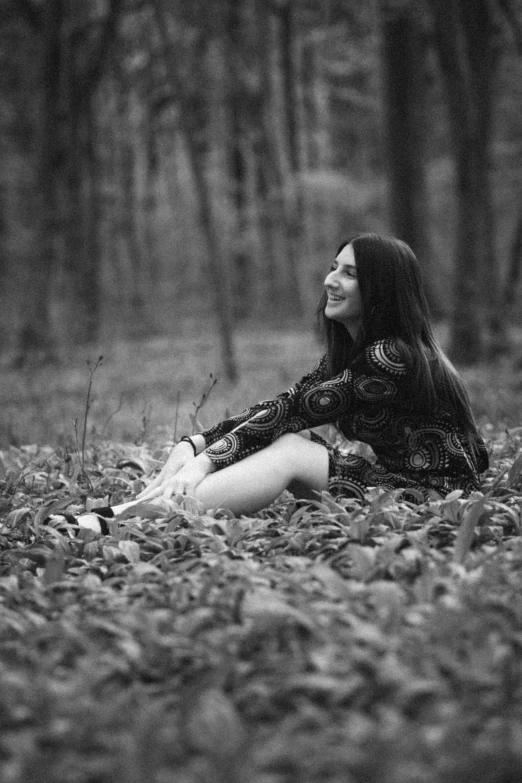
column 181, row 455
column 180, row 475
column 188, row 477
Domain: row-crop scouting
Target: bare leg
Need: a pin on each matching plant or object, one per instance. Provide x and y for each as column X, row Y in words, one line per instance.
column 256, row 481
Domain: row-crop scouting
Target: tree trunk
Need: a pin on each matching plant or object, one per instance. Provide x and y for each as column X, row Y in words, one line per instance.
column 287, row 35
column 289, row 102
column 483, row 46
column 93, row 224
column 34, row 337
column 404, row 77
column 79, row 79
column 129, row 226
column 464, row 32
column 20, row 209
column 219, row 149
column 150, row 202
column 242, row 251
column 80, row 221
column 466, row 340
column 512, row 280
column 69, row 68
column 315, row 111
column 207, row 218
column 282, row 190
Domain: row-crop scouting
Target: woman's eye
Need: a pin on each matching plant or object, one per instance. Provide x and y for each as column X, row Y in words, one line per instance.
column 348, row 272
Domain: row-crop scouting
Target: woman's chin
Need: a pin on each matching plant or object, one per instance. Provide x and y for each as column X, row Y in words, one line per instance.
column 333, row 316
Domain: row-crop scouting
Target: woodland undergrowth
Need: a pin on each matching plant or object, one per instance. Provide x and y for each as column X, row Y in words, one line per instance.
column 335, row 641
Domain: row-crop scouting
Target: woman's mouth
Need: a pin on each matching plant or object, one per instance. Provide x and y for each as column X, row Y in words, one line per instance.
column 334, row 298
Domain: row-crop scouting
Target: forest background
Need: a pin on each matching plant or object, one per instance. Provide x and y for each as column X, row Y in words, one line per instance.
column 175, row 176
column 179, row 168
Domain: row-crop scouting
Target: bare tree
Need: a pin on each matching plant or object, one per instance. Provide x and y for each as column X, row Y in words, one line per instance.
column 71, row 54
column 468, row 48
column 405, row 85
column 190, row 127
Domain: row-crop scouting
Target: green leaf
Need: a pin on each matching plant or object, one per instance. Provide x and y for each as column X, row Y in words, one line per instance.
column 471, row 516
column 514, row 471
column 145, row 511
column 131, row 550
column 363, row 560
column 266, row 606
column 14, row 518
column 213, row 725
column 54, row 568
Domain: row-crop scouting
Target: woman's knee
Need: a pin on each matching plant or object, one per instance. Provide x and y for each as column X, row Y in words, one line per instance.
column 302, row 460
column 288, row 448
column 282, row 454
column 289, row 440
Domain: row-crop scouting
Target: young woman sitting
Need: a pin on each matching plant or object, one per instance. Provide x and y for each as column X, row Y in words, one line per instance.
column 384, row 381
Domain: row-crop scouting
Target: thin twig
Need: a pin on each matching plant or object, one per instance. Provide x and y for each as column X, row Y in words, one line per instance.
column 92, row 370
column 178, row 398
column 206, row 394
column 114, row 413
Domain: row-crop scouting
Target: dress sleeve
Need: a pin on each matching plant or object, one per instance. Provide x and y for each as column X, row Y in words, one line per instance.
column 265, row 414
column 311, row 402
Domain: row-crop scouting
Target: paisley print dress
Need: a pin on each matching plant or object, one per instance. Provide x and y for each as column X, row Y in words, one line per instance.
column 373, row 401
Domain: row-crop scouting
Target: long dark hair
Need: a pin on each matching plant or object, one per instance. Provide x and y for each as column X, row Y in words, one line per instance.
column 394, row 305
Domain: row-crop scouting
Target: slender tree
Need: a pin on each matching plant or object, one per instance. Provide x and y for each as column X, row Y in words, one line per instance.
column 468, row 48
column 72, row 49
column 191, row 130
column 404, row 53
column 34, row 332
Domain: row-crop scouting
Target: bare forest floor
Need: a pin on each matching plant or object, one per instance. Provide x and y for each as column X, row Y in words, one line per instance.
column 338, row 642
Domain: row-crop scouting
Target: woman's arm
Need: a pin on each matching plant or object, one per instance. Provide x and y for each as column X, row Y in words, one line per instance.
column 186, row 467
column 216, row 433
column 311, row 402
column 377, row 376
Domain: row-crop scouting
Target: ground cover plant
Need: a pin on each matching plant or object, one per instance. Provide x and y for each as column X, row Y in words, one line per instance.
column 335, row 641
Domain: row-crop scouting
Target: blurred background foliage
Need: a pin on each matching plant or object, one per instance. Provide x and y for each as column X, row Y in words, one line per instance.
column 174, row 161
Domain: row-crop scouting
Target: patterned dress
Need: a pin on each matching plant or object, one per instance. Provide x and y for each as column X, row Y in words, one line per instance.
column 372, row 401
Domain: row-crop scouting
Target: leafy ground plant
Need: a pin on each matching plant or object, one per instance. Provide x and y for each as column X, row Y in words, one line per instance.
column 339, row 641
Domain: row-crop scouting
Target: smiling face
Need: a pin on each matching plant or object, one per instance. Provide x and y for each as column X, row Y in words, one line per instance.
column 344, row 301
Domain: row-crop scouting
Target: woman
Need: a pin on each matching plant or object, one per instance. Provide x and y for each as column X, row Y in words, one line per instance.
column 384, row 381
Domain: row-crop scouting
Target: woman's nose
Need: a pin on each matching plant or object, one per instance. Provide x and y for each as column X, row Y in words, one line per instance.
column 330, row 278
